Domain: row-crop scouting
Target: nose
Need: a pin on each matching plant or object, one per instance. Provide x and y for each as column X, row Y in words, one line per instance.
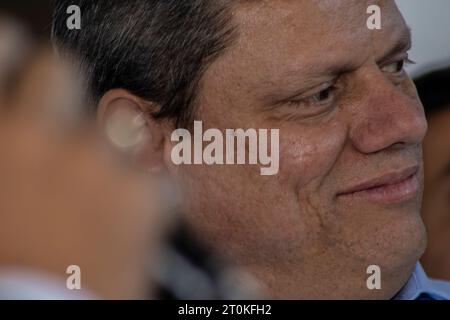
column 389, row 116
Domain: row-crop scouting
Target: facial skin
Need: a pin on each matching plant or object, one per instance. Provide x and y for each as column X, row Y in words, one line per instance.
column 301, row 233
column 293, row 231
column 436, row 204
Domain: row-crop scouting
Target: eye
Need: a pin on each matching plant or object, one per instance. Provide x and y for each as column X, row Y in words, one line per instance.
column 324, row 96
column 396, row 67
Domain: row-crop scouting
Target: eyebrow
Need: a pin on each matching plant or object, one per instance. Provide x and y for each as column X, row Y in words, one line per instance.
column 297, row 85
column 402, row 44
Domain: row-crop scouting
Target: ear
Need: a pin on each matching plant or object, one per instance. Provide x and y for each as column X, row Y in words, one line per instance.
column 127, row 122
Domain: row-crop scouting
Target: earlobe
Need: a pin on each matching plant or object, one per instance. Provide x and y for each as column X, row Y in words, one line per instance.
column 149, row 154
column 128, row 126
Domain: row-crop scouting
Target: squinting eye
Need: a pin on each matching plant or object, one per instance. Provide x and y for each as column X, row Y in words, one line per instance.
column 319, row 99
column 322, row 96
column 394, row 67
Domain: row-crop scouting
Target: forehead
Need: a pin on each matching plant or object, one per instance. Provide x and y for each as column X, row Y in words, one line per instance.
column 302, row 19
column 297, row 21
column 282, row 36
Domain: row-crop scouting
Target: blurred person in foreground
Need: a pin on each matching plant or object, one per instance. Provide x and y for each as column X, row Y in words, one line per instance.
column 434, row 91
column 66, row 197
column 348, row 192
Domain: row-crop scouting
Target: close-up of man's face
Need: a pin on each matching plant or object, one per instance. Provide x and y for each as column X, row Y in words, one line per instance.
column 349, row 187
column 287, row 150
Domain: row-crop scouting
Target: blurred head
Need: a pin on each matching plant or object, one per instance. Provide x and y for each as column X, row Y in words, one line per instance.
column 348, row 192
column 53, row 168
column 434, row 90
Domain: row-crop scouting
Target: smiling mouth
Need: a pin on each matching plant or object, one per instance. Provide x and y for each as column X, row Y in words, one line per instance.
column 394, row 187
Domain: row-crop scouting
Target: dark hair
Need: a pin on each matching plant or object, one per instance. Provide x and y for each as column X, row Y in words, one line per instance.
column 155, row 49
column 434, row 90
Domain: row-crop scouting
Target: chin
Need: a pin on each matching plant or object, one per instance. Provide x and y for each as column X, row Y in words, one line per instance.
column 393, row 238
column 398, row 248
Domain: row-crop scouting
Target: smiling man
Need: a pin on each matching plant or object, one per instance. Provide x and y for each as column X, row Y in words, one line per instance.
column 348, row 191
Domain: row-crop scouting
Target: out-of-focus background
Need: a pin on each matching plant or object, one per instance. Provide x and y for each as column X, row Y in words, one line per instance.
column 430, row 24
column 37, row 14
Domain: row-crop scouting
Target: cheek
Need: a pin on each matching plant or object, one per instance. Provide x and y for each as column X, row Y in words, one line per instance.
column 307, row 156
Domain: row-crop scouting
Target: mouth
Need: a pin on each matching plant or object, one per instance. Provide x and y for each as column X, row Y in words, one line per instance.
column 389, row 188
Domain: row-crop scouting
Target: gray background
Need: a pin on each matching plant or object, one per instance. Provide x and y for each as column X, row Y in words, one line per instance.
column 430, row 23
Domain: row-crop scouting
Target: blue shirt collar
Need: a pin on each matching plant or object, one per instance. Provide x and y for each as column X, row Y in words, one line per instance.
column 419, row 284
